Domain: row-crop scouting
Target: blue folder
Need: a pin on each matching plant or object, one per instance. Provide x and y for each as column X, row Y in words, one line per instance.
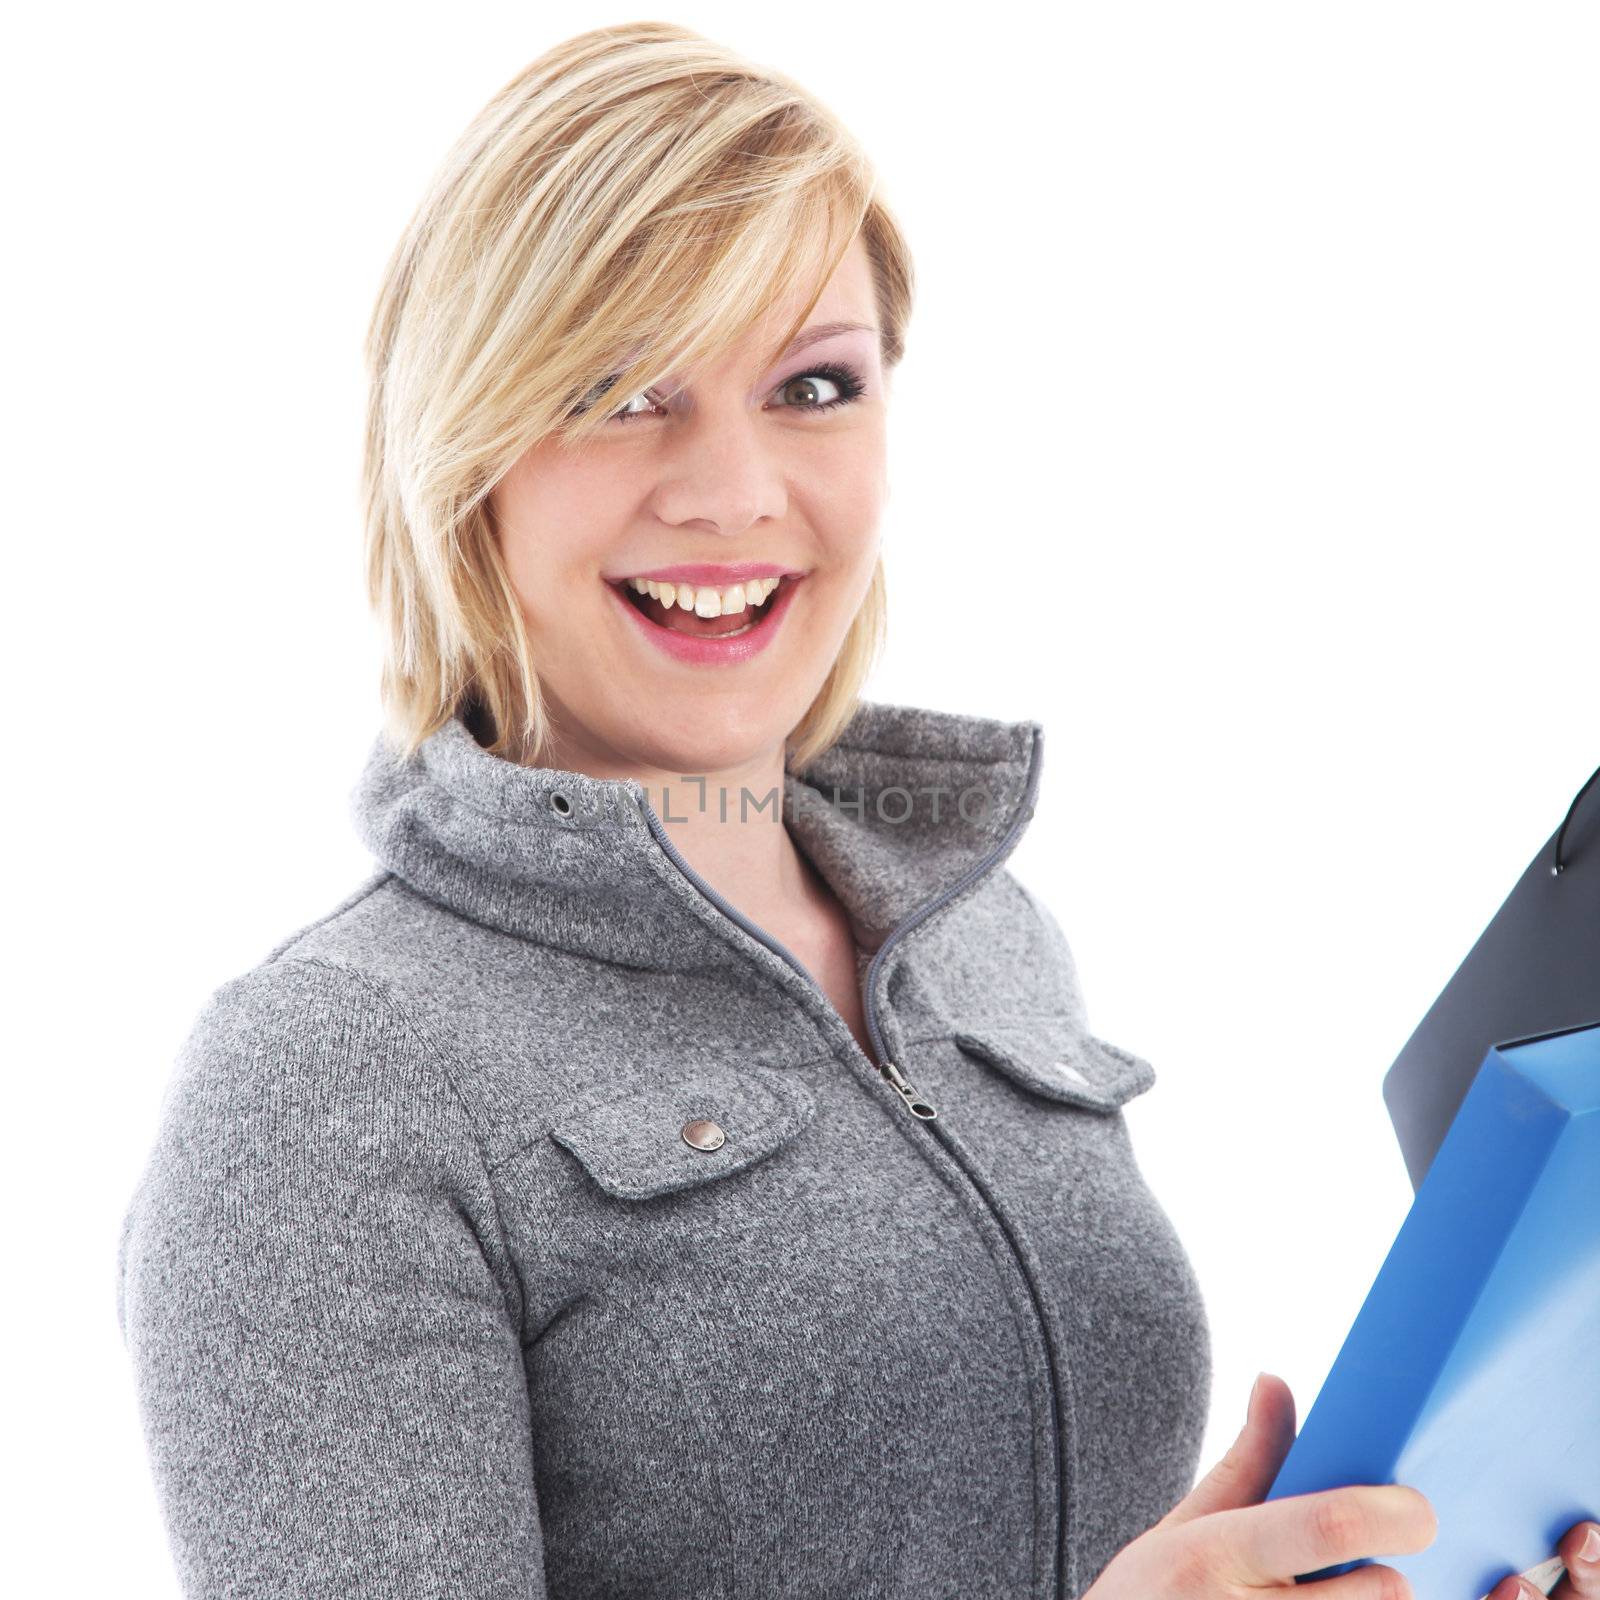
column 1472, row 1371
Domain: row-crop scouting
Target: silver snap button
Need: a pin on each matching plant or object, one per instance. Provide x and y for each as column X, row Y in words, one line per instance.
column 703, row 1134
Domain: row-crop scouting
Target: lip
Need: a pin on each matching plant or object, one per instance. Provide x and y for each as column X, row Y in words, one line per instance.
column 712, row 652
column 698, row 572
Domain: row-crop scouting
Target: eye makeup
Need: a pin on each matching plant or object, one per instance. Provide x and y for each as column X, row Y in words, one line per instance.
column 844, row 377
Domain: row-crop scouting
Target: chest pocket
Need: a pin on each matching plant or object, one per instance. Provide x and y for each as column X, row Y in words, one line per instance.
column 643, row 1137
column 1054, row 1057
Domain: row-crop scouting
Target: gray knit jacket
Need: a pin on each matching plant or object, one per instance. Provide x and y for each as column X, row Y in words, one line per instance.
column 531, row 1224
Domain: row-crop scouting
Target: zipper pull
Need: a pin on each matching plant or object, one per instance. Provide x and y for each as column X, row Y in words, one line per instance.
column 914, row 1101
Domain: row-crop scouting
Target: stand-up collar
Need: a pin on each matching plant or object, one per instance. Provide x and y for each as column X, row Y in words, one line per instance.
column 903, row 805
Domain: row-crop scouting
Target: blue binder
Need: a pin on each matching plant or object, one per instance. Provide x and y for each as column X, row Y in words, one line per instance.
column 1472, row 1371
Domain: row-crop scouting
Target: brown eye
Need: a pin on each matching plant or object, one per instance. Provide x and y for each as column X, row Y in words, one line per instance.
column 808, row 391
column 845, row 381
column 806, row 388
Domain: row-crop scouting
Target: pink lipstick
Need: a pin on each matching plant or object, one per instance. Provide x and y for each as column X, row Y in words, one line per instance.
column 710, row 649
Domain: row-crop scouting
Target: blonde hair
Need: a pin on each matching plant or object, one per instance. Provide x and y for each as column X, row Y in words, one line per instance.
column 636, row 194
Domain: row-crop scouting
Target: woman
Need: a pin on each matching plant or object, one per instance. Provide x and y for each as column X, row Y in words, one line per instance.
column 683, row 1168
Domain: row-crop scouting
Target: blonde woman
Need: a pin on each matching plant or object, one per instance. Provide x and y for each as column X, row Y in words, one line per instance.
column 683, row 1168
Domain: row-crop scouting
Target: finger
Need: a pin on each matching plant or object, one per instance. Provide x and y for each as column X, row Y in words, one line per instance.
column 1552, row 1579
column 1582, row 1580
column 1244, row 1475
column 1516, row 1587
column 1280, row 1539
column 1371, row 1582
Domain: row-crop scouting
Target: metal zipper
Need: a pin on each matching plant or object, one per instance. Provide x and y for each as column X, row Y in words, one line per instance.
column 916, row 1104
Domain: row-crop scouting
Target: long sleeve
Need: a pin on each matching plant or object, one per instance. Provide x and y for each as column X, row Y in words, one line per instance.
column 322, row 1316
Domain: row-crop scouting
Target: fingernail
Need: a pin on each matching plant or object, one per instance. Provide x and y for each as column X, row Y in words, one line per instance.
column 1255, row 1389
column 1589, row 1550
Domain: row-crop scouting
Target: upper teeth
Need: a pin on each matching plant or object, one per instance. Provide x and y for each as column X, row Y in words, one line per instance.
column 707, row 601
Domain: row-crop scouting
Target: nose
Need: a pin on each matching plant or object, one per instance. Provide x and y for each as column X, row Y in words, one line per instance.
column 719, row 473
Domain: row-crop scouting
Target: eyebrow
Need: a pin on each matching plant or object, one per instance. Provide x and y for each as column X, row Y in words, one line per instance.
column 826, row 330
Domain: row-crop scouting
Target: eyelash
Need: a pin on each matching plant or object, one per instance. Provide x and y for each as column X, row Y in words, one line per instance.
column 846, row 378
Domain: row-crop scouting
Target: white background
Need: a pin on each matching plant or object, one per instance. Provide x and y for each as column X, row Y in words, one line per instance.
column 1293, row 554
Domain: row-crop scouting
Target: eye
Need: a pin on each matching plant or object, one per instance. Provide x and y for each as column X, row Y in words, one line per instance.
column 843, row 379
column 625, row 415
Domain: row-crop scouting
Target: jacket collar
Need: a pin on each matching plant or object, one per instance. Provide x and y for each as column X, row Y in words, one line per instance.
column 901, row 808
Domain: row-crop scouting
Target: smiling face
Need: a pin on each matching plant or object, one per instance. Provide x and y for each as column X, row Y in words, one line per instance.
column 699, row 489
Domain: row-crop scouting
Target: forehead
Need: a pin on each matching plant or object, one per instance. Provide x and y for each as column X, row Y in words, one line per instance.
column 847, row 298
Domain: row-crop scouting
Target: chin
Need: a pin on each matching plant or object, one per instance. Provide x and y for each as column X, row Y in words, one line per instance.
column 711, row 735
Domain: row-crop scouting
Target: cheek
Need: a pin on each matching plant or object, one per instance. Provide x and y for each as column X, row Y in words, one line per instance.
column 845, row 504
column 555, row 523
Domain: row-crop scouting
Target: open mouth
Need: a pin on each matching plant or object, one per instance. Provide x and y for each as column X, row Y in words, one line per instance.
column 731, row 625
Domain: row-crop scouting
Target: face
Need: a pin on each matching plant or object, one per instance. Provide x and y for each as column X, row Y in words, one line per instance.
column 700, row 490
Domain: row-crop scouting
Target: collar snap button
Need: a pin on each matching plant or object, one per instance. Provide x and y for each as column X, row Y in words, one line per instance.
column 703, row 1134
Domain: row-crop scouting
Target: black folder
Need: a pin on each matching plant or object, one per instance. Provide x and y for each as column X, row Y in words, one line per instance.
column 1535, row 969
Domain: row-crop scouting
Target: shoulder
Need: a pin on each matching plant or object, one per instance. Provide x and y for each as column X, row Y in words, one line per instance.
column 304, row 1054
column 309, row 1124
column 286, row 1002
column 373, row 1011
column 304, row 1087
column 412, row 952
column 1004, row 948
column 357, row 927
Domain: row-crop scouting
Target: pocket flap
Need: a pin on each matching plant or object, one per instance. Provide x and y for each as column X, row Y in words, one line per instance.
column 1056, row 1058
column 630, row 1135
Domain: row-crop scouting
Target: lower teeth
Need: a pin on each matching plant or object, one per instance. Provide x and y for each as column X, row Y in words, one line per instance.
column 733, row 635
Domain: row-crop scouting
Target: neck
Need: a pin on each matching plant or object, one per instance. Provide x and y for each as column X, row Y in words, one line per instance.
column 730, row 827
column 894, row 818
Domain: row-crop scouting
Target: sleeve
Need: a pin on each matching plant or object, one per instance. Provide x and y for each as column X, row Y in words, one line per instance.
column 322, row 1315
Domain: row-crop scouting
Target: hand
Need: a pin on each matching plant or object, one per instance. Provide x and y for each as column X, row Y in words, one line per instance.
column 1581, row 1581
column 1222, row 1541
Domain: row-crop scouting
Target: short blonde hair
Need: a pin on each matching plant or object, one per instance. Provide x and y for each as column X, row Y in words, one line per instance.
column 636, row 194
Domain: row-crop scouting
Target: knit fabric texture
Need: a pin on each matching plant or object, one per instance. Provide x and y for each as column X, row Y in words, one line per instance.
column 436, row 1283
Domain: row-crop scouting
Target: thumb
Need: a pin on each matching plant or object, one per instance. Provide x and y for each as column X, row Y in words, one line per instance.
column 1243, row 1476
